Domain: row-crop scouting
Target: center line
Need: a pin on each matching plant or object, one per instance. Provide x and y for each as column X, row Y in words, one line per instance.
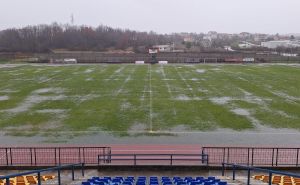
column 150, row 98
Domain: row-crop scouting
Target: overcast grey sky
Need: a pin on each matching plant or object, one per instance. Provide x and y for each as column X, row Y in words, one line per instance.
column 163, row 16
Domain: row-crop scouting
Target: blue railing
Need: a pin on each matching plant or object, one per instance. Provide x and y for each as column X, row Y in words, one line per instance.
column 235, row 167
column 38, row 172
column 142, row 159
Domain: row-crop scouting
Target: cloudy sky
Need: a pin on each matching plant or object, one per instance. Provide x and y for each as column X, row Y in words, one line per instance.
column 163, row 16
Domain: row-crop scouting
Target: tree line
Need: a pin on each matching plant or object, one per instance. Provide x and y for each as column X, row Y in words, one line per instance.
column 43, row 38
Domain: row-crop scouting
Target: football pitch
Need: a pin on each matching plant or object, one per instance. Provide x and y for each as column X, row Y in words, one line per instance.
column 147, row 99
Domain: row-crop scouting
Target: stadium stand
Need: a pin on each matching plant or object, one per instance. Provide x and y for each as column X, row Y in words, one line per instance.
column 26, row 180
column 278, row 179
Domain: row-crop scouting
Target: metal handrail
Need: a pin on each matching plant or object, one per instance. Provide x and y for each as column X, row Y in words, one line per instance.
column 273, row 156
column 153, row 157
column 33, row 156
column 38, row 172
column 251, row 168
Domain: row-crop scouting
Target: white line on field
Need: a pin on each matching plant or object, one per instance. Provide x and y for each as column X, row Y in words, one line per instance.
column 167, row 84
column 150, row 99
column 116, row 72
column 125, row 82
column 184, row 80
column 168, row 87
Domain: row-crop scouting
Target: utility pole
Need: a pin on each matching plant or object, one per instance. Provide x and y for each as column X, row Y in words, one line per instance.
column 72, row 19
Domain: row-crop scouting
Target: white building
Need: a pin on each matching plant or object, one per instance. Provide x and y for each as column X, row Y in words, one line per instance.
column 247, row 45
column 280, row 43
column 163, row 48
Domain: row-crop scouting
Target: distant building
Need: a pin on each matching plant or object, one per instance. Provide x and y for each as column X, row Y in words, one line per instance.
column 247, row 45
column 244, row 35
column 188, row 39
column 163, row 48
column 260, row 37
column 280, row 43
column 289, row 54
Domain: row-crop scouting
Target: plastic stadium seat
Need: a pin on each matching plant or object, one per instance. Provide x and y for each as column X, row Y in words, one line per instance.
column 116, row 181
column 85, row 183
column 222, row 183
column 211, row 178
column 208, row 183
column 258, row 177
column 99, row 183
column 141, row 183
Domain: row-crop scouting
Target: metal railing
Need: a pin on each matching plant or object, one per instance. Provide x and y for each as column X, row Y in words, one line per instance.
column 38, row 172
column 253, row 156
column 149, row 159
column 251, row 168
column 50, row 156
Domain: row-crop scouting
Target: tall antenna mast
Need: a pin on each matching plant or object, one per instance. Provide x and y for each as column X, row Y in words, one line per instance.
column 72, row 19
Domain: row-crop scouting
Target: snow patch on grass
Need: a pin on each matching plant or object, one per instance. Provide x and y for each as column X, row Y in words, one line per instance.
column 8, row 65
column 36, row 98
column 286, row 96
column 52, row 111
column 186, row 98
column 88, row 70
column 89, row 79
column 201, row 70
column 242, row 112
column 221, row 100
column 3, row 98
column 8, row 91
column 125, row 106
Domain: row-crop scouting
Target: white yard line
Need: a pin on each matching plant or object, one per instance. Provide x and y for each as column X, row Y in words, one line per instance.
column 168, row 87
column 150, row 99
column 167, row 84
column 115, row 73
column 184, row 80
column 125, row 82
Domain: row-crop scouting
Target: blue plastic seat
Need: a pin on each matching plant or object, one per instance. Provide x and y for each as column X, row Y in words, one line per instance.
column 86, row 183
column 222, row 183
column 116, row 180
column 181, row 183
column 195, row 182
column 211, row 178
column 208, row 183
column 99, row 183
column 199, row 178
column 141, row 182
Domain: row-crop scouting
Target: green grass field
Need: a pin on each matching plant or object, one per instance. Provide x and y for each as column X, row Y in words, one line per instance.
column 143, row 98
